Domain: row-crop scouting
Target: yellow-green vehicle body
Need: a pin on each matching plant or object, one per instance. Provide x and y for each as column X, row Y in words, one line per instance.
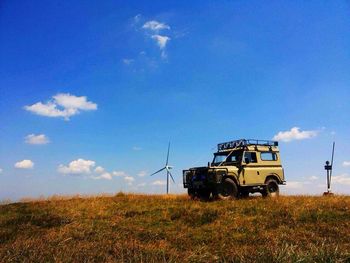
column 246, row 165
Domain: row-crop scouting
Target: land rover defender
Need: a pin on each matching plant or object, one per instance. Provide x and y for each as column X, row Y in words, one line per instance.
column 239, row 168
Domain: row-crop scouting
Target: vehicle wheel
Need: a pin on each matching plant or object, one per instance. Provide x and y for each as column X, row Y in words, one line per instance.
column 272, row 189
column 227, row 190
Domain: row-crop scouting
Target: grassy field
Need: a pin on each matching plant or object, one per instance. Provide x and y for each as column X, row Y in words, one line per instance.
column 140, row 228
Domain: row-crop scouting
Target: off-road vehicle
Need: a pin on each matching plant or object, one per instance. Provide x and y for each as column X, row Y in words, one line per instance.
column 239, row 168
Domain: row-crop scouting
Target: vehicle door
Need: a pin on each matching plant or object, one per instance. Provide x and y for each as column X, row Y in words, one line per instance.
column 250, row 173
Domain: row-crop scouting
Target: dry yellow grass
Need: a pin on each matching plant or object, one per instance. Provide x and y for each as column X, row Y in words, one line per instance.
column 146, row 228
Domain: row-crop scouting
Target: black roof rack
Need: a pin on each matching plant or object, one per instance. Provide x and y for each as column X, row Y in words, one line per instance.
column 245, row 142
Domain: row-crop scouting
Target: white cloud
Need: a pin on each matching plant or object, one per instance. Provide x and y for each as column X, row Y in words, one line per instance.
column 294, row 185
column 62, row 105
column 294, row 134
column 25, row 164
column 159, row 182
column 107, row 176
column 99, row 169
column 346, row 163
column 142, row 173
column 86, row 167
column 79, row 166
column 343, row 179
column 155, row 26
column 128, row 61
column 141, row 185
column 161, row 40
column 1, row 170
column 119, row 173
column 37, row 139
column 73, row 102
column 313, row 178
column 137, row 148
column 129, row 179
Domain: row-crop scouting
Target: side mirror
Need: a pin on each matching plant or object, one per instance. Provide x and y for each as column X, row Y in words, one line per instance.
column 246, row 160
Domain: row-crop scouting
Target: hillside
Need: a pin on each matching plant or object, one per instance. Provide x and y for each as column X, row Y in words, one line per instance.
column 139, row 228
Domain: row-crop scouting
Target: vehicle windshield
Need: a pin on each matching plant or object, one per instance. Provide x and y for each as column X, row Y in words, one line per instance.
column 234, row 157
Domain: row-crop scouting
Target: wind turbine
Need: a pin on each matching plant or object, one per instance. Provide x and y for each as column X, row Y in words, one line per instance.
column 167, row 167
column 329, row 168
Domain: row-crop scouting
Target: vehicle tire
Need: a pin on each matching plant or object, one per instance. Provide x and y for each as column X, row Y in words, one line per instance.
column 227, row 190
column 272, row 189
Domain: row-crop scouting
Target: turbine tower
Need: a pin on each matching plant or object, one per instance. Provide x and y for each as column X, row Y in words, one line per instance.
column 167, row 167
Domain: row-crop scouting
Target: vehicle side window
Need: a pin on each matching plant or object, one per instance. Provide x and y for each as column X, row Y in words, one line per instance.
column 268, row 156
column 250, row 157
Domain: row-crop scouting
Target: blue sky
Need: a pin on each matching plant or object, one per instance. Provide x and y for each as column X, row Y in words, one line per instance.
column 89, row 84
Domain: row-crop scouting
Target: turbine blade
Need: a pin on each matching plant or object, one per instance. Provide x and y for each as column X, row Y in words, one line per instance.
column 167, row 157
column 330, row 174
column 158, row 171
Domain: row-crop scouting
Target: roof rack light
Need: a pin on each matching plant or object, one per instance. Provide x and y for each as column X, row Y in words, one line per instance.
column 245, row 142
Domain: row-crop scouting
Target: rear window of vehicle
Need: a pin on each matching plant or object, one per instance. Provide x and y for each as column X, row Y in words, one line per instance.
column 268, row 156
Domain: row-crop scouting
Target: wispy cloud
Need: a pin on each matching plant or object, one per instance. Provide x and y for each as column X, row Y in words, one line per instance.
column 153, row 29
column 24, row 164
column 62, row 105
column 119, row 173
column 36, row 139
column 137, row 18
column 1, row 170
column 343, row 179
column 313, row 178
column 159, row 182
column 346, row 163
column 294, row 185
column 156, row 26
column 294, row 134
column 161, row 42
column 142, row 173
column 128, row 61
column 129, row 179
column 136, row 148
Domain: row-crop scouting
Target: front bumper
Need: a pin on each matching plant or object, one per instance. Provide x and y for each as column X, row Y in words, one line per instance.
column 197, row 178
column 202, row 178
